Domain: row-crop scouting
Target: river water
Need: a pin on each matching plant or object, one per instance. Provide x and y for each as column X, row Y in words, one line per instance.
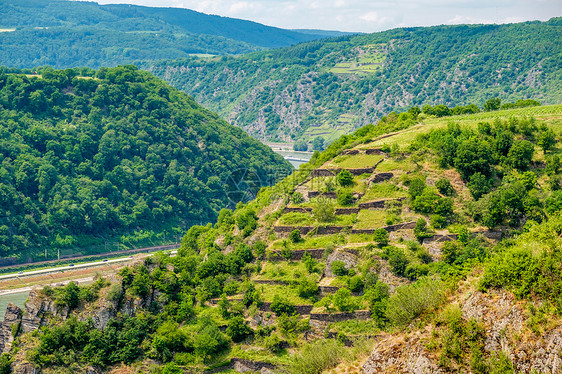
column 17, row 298
column 295, row 158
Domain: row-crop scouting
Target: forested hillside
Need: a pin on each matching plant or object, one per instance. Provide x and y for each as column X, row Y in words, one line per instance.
column 88, row 156
column 65, row 33
column 331, row 87
column 419, row 245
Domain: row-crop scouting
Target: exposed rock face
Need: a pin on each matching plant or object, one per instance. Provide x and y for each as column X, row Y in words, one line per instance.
column 394, row 355
column 24, row 368
column 242, row 366
column 505, row 321
column 11, row 318
column 349, row 259
column 504, row 318
column 37, row 309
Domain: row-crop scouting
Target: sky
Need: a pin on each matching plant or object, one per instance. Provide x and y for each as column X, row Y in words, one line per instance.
column 366, row 15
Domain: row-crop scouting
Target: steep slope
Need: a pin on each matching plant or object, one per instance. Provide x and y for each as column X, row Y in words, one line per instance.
column 331, row 87
column 87, row 159
column 377, row 258
column 73, row 34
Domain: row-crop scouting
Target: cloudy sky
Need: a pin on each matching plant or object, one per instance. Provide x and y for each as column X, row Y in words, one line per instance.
column 367, row 15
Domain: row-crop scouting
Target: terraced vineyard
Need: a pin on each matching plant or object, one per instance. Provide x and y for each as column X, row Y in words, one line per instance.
column 380, row 253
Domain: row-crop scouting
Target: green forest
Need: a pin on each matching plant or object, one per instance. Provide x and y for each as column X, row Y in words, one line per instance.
column 66, row 34
column 331, row 87
column 87, row 156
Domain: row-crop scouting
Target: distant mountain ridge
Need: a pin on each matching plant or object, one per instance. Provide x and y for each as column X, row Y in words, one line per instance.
column 331, row 87
column 74, row 34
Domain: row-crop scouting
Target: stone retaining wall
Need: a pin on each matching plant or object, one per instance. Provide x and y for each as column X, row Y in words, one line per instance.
column 242, row 365
column 334, row 172
column 391, row 228
column 345, row 211
column 375, row 151
column 321, row 230
column 377, row 204
column 298, row 209
column 351, row 152
column 324, row 172
column 298, row 253
column 327, row 289
column 300, row 309
column 343, row 316
column 329, row 195
column 338, row 211
column 380, row 177
column 271, row 282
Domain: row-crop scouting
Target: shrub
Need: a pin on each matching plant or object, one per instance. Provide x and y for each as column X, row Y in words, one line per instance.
column 381, row 237
column 397, row 260
column 273, row 343
column 251, row 296
column 316, row 357
column 420, row 231
column 280, row 306
column 520, row 154
column 287, row 253
column 291, row 325
column 444, row 186
column 547, row 140
column 416, row 187
column 355, row 283
column 172, row 368
column 343, row 301
column 238, row 329
column 297, row 198
column 410, row 301
column 345, row 197
column 309, row 262
column 307, row 288
column 478, row 185
column 338, row 268
column 115, row 292
column 345, row 178
column 295, row 236
column 323, row 209
column 259, row 248
column 415, row 271
column 377, row 295
column 438, row 221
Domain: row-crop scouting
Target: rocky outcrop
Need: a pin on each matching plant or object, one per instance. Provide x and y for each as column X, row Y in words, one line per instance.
column 394, row 355
column 506, row 323
column 242, row 366
column 505, row 318
column 12, row 320
column 349, row 259
column 37, row 309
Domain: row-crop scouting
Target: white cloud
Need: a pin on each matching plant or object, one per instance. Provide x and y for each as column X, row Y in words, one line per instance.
column 370, row 17
column 367, row 15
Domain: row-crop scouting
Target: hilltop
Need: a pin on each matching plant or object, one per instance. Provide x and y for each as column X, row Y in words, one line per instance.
column 421, row 244
column 331, row 87
column 66, row 34
column 94, row 161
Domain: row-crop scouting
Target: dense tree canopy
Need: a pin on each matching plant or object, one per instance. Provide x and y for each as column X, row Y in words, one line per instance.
column 118, row 150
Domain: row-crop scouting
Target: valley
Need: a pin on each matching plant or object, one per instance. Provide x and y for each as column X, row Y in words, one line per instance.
column 373, row 243
column 190, row 193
